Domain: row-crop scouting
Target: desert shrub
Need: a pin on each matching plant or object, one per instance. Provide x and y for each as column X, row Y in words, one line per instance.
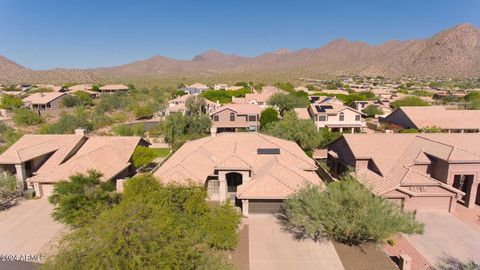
column 81, row 198
column 153, row 227
column 129, row 130
column 179, row 127
column 410, row 130
column 8, row 186
column 67, row 123
column 452, row 263
column 409, row 101
column 346, row 212
column 286, row 102
column 8, row 136
column 26, row 117
column 10, row 102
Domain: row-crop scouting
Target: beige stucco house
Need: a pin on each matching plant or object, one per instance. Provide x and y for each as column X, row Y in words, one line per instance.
column 113, row 88
column 259, row 98
column 329, row 112
column 424, row 172
column 43, row 160
column 253, row 171
column 449, row 120
column 178, row 104
column 44, row 101
column 232, row 117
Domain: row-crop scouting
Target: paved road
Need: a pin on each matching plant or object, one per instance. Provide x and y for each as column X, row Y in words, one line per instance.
column 272, row 248
column 445, row 234
column 27, row 228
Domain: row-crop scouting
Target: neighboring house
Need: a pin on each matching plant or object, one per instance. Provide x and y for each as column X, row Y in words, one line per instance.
column 260, row 99
column 360, row 105
column 195, row 89
column 113, row 88
column 178, row 104
column 424, row 172
column 87, row 88
column 226, row 87
column 422, row 117
column 231, row 117
column 332, row 114
column 43, row 160
column 44, row 101
column 252, row 170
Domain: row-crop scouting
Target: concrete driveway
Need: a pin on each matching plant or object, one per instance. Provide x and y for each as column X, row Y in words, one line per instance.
column 27, row 228
column 445, row 234
column 272, row 248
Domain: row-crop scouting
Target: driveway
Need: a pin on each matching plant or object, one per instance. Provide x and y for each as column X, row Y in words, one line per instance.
column 272, row 248
column 445, row 234
column 27, row 228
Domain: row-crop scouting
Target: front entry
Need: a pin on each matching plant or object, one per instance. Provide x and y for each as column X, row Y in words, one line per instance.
column 233, row 181
column 465, row 184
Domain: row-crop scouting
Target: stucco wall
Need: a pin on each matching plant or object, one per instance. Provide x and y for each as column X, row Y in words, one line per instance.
column 349, row 119
column 240, row 120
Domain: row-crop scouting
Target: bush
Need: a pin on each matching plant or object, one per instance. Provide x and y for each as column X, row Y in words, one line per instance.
column 268, row 116
column 153, row 227
column 8, row 185
column 79, row 98
column 177, row 126
column 82, row 198
column 410, row 130
column 451, row 263
column 372, row 111
column 143, row 155
column 346, row 212
column 409, row 101
column 68, row 123
column 10, row 102
column 129, row 130
column 26, row 117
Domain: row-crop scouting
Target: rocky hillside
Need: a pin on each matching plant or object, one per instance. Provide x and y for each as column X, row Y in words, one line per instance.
column 454, row 52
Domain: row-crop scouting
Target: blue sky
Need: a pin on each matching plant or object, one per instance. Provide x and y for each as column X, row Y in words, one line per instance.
column 43, row 34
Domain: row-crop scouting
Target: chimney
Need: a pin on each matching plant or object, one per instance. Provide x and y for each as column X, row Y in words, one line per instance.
column 81, row 131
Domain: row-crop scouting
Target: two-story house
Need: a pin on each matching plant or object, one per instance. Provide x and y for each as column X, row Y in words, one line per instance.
column 178, row 104
column 232, row 117
column 330, row 113
column 423, row 172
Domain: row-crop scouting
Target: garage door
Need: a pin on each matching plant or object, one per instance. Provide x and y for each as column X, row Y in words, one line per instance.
column 47, row 190
column 264, row 206
column 429, row 204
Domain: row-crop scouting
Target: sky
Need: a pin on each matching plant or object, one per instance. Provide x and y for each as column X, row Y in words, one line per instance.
column 44, row 34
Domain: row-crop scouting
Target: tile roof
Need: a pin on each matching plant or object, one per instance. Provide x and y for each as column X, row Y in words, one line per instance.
column 273, row 176
column 113, row 87
column 240, row 109
column 302, row 113
column 42, row 98
column 441, row 116
column 394, row 154
column 108, row 155
column 31, row 146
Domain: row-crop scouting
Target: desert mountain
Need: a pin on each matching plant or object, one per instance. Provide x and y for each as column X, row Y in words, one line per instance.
column 454, row 52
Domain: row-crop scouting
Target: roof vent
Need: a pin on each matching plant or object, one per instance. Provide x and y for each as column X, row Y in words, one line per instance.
column 268, row 151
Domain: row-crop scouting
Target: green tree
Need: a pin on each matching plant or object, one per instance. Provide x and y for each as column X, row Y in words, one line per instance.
column 153, row 227
column 10, row 102
column 372, row 111
column 303, row 132
column 268, row 116
column 286, row 102
column 409, row 101
column 67, row 123
column 178, row 127
column 196, row 105
column 26, row 117
column 346, row 212
column 8, row 186
column 82, row 198
column 143, row 155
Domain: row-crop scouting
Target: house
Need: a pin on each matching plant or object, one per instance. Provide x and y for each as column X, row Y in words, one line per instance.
column 330, row 113
column 226, row 87
column 423, row 117
column 423, row 172
column 360, row 105
column 251, row 170
column 87, row 88
column 43, row 160
column 113, row 88
column 232, row 117
column 260, row 99
column 195, row 88
column 178, row 104
column 44, row 101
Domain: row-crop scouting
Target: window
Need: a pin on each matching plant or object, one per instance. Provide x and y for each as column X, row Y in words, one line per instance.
column 322, row 118
column 342, row 116
column 232, row 117
column 215, row 118
column 252, row 118
column 357, row 117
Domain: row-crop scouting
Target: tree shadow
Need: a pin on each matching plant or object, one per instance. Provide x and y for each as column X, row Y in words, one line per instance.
column 298, row 232
column 451, row 263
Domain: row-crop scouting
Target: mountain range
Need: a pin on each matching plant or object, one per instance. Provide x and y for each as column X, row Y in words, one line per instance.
column 454, row 52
